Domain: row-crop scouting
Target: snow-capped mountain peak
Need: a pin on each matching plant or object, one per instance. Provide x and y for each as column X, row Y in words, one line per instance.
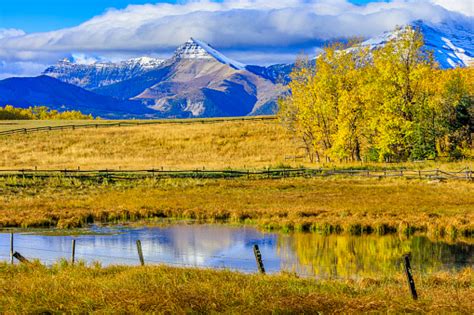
column 452, row 43
column 98, row 74
column 144, row 62
column 197, row 49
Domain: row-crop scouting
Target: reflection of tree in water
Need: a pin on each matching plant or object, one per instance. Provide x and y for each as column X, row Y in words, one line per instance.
column 349, row 256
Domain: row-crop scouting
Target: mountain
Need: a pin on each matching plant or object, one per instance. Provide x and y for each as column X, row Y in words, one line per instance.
column 47, row 91
column 91, row 76
column 199, row 81
column 451, row 42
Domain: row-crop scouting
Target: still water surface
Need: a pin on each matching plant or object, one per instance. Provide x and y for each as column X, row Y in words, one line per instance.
column 219, row 246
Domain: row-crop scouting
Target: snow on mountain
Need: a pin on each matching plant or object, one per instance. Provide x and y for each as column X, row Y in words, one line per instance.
column 199, row 81
column 98, row 74
column 196, row 49
column 451, row 42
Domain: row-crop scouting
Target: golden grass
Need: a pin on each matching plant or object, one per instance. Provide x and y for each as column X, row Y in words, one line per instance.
column 172, row 146
column 331, row 204
column 160, row 289
column 235, row 144
column 6, row 125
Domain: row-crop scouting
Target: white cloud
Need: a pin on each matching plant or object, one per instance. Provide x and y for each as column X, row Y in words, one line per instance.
column 465, row 7
column 10, row 32
column 258, row 27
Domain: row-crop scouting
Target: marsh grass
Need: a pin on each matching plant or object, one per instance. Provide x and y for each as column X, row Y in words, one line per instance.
column 329, row 205
column 160, row 289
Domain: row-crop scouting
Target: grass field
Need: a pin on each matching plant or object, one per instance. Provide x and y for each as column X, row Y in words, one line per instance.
column 226, row 144
column 79, row 289
column 329, row 205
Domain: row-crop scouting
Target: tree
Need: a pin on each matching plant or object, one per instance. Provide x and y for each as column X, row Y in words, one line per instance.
column 388, row 104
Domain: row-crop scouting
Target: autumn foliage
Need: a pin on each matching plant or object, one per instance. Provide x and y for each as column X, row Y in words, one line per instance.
column 39, row 113
column 391, row 103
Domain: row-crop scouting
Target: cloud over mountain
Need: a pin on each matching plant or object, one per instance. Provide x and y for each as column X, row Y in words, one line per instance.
column 280, row 29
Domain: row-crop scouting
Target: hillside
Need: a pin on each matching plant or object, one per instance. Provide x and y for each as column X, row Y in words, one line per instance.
column 47, row 91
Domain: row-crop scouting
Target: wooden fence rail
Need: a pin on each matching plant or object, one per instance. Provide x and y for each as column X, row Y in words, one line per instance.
column 108, row 174
column 132, row 123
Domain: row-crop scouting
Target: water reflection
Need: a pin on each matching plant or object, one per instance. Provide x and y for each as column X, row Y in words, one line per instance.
column 347, row 256
column 219, row 246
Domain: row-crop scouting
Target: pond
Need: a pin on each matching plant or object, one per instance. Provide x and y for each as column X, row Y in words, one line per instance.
column 220, row 246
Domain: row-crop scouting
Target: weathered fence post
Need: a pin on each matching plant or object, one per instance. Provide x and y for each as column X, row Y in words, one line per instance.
column 22, row 259
column 11, row 248
column 73, row 252
column 409, row 274
column 140, row 252
column 258, row 258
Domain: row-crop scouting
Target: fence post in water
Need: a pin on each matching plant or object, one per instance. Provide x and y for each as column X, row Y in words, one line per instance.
column 73, row 252
column 409, row 274
column 258, row 258
column 11, row 248
column 140, row 252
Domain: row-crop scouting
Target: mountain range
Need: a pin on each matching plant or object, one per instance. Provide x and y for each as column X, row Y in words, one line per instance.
column 197, row 81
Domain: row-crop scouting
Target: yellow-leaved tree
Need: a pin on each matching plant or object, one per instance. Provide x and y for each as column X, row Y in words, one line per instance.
column 391, row 103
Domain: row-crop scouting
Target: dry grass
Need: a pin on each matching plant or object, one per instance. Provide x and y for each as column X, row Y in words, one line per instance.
column 235, row 144
column 172, row 146
column 335, row 204
column 80, row 289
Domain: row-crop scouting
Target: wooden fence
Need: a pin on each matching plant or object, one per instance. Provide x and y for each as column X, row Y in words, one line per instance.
column 132, row 123
column 465, row 174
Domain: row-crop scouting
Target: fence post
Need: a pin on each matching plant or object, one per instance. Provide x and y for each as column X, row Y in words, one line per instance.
column 140, row 252
column 11, row 248
column 409, row 274
column 258, row 258
column 73, row 252
column 22, row 259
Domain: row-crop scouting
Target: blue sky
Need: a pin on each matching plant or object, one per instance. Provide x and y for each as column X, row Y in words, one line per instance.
column 47, row 15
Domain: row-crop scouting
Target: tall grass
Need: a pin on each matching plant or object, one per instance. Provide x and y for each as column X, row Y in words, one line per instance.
column 229, row 144
column 81, row 289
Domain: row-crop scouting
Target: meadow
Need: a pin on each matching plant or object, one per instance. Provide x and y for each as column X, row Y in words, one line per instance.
column 223, row 144
column 340, row 204
column 160, row 289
